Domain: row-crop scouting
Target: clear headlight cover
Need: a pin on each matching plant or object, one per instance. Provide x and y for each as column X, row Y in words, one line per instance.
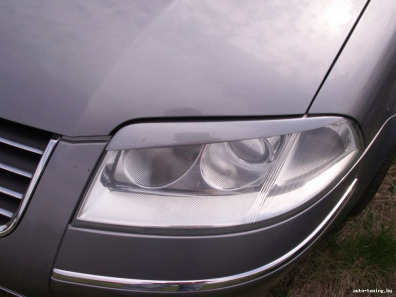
column 219, row 184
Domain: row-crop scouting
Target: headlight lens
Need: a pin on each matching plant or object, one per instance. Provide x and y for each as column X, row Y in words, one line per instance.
column 238, row 164
column 158, row 167
column 219, row 184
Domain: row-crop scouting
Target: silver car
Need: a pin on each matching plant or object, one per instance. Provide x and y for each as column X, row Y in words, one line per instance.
column 185, row 147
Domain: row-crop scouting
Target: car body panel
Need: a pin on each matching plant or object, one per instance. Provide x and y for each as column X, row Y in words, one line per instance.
column 82, row 68
column 27, row 254
column 362, row 83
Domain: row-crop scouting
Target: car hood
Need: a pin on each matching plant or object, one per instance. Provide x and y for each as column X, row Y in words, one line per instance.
column 82, row 68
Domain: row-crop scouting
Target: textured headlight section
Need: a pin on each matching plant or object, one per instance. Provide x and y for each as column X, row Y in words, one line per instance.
column 220, row 184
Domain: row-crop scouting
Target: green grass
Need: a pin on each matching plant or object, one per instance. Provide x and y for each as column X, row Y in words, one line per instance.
column 365, row 259
column 340, row 263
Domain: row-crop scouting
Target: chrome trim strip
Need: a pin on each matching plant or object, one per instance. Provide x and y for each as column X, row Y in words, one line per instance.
column 7, row 228
column 11, row 193
column 15, row 170
column 6, row 213
column 191, row 285
column 2, row 289
column 21, row 146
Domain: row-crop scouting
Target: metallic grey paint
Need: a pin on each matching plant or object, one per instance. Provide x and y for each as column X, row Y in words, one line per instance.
column 28, row 253
column 362, row 84
column 86, row 68
column 8, row 228
column 82, row 68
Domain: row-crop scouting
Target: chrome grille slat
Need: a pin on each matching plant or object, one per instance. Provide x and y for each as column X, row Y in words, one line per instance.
column 23, row 153
column 15, row 170
column 6, row 213
column 11, row 193
column 21, row 146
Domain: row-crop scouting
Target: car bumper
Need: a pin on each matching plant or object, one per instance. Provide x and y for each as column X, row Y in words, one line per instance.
column 259, row 241
column 92, row 262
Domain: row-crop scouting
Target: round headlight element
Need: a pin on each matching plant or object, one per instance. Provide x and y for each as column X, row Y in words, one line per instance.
column 253, row 151
column 159, row 167
column 236, row 165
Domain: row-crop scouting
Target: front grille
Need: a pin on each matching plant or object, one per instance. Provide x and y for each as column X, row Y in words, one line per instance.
column 21, row 151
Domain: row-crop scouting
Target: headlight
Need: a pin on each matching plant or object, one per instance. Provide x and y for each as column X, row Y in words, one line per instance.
column 219, row 184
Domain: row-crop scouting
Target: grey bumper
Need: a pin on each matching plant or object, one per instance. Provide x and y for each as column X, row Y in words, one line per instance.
column 96, row 262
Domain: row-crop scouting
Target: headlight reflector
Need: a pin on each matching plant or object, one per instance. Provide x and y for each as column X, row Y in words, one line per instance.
column 238, row 164
column 158, row 167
